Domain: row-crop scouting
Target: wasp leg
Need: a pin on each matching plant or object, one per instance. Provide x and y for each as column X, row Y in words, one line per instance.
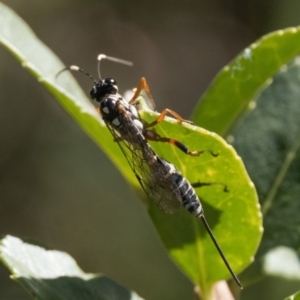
column 143, row 85
column 201, row 184
column 153, row 136
column 163, row 115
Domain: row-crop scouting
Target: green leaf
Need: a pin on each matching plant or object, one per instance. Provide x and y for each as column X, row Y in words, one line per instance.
column 41, row 62
column 234, row 217
column 52, row 274
column 294, row 297
column 268, row 139
column 237, row 84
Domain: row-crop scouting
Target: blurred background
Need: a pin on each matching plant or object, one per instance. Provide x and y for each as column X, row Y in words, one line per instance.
column 55, row 184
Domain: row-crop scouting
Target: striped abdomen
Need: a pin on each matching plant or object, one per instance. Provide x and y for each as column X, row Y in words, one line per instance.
column 190, row 200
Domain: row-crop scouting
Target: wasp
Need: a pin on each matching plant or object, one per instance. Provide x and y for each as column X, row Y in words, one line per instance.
column 160, row 179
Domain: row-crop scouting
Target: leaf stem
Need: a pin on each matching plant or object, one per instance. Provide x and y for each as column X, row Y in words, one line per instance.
column 280, row 176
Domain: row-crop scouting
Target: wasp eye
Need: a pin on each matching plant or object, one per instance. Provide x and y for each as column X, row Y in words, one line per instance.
column 110, row 85
column 110, row 81
column 93, row 92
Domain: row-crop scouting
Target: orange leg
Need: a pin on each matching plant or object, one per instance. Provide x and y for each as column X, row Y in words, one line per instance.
column 163, row 115
column 143, row 85
column 153, row 136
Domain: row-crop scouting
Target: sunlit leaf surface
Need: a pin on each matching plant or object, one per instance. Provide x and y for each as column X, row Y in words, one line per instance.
column 234, row 216
column 39, row 60
column 294, row 297
column 52, row 274
column 240, row 81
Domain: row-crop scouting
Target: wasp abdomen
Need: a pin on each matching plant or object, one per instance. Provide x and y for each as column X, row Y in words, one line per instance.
column 190, row 200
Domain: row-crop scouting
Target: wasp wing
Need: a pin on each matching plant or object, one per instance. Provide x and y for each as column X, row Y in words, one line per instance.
column 152, row 174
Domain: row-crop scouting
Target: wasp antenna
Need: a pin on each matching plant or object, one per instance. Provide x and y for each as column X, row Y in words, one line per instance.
column 114, row 59
column 61, row 71
column 77, row 69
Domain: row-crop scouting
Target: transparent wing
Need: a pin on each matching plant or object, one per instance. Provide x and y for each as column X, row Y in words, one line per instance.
column 163, row 189
column 151, row 172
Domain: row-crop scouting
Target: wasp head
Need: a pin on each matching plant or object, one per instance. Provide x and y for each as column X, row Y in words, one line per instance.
column 104, row 87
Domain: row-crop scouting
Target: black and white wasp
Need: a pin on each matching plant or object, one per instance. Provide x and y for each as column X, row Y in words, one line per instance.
column 161, row 180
